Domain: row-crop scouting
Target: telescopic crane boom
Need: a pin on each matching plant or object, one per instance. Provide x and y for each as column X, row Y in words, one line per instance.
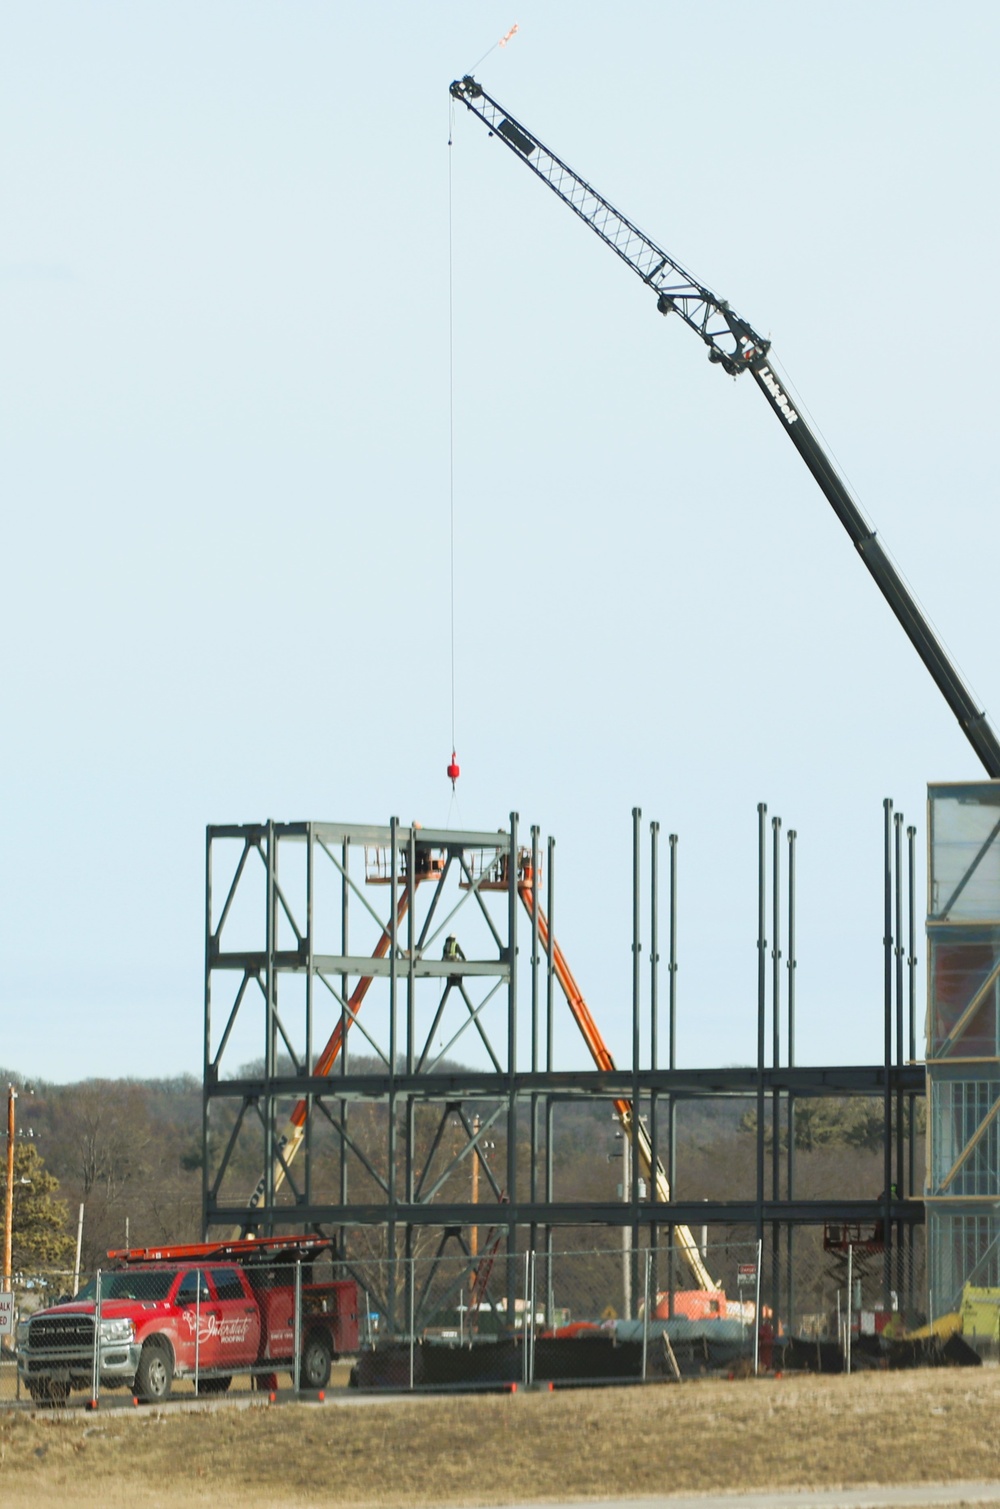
column 734, row 344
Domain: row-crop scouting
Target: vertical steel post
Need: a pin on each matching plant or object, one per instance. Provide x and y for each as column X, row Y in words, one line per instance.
column 411, row 1010
column 533, row 1102
column 654, row 1012
column 550, row 980
column 391, row 1204
column 672, row 970
column 911, row 964
column 549, row 1184
column 270, row 1027
column 775, row 1059
column 911, row 835
column 654, row 948
column 512, row 1194
column 900, row 1038
column 206, row 1077
column 761, row 1009
column 887, row 1023
column 344, row 996
column 790, row 1171
column 550, row 970
column 672, row 1031
column 308, row 1149
column 535, row 934
column 633, row 1133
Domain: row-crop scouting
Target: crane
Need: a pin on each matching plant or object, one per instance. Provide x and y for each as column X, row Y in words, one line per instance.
column 737, row 348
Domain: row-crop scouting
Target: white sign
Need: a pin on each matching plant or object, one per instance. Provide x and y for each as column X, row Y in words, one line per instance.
column 8, row 1315
column 746, row 1273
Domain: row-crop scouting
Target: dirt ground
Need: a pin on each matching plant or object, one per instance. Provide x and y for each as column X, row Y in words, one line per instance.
column 873, row 1428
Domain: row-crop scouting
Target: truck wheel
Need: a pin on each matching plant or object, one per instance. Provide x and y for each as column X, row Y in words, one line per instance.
column 155, row 1373
column 314, row 1366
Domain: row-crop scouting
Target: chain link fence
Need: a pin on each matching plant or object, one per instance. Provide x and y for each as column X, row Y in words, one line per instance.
column 824, row 1301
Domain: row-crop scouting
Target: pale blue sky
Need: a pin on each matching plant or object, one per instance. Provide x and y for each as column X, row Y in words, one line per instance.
column 224, row 450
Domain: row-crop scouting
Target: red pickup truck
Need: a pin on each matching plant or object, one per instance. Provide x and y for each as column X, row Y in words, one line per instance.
column 204, row 1312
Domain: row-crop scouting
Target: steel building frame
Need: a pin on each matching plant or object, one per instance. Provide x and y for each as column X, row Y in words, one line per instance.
column 388, row 1129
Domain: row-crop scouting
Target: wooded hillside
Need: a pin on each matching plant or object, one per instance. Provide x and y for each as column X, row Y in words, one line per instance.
column 130, row 1152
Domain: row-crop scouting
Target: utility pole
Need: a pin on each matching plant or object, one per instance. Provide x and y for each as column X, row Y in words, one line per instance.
column 8, row 1208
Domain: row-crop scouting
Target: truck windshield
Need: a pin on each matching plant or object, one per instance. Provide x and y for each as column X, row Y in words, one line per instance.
column 148, row 1287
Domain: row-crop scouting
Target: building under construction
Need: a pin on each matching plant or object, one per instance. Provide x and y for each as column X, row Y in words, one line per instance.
column 420, row 950
column 350, row 970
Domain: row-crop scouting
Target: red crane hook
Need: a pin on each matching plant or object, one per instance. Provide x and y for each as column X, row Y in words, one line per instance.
column 453, row 771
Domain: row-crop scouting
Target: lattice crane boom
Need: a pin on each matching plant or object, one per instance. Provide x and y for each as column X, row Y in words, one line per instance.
column 734, row 344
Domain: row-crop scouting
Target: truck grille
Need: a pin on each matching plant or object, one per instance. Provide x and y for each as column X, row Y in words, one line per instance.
column 62, row 1333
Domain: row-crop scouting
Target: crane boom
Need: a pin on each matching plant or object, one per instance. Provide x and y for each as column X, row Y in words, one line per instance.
column 734, row 344
column 649, row 1164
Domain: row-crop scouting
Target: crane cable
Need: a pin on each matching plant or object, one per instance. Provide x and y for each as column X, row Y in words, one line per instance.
column 453, row 769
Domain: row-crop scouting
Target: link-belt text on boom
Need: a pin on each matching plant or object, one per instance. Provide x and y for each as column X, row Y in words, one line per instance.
column 787, row 412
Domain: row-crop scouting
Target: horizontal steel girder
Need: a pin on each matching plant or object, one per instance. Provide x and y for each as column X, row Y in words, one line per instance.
column 683, row 1084
column 361, row 965
column 578, row 1213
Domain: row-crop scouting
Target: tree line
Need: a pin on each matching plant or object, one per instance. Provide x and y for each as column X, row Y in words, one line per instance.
column 130, row 1153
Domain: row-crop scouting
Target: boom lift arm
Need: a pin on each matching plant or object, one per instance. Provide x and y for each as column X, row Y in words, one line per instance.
column 292, row 1135
column 649, row 1164
column 737, row 348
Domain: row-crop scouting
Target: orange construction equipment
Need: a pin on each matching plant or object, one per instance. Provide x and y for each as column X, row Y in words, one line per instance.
column 650, row 1166
column 293, row 1134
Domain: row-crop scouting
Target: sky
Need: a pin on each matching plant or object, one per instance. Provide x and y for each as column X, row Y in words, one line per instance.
column 262, row 327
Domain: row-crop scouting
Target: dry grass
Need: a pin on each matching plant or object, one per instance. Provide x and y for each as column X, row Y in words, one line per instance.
column 410, row 1453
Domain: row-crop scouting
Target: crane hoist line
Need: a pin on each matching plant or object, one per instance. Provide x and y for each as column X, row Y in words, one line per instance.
column 737, row 348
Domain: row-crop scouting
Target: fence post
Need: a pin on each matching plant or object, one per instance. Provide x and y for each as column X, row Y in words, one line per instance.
column 95, row 1381
column 412, row 1278
column 197, row 1331
column 534, row 1319
column 527, row 1315
column 756, row 1311
column 297, row 1330
column 645, row 1312
column 849, row 1301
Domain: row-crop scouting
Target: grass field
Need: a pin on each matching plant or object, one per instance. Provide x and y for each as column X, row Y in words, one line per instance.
column 491, row 1449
